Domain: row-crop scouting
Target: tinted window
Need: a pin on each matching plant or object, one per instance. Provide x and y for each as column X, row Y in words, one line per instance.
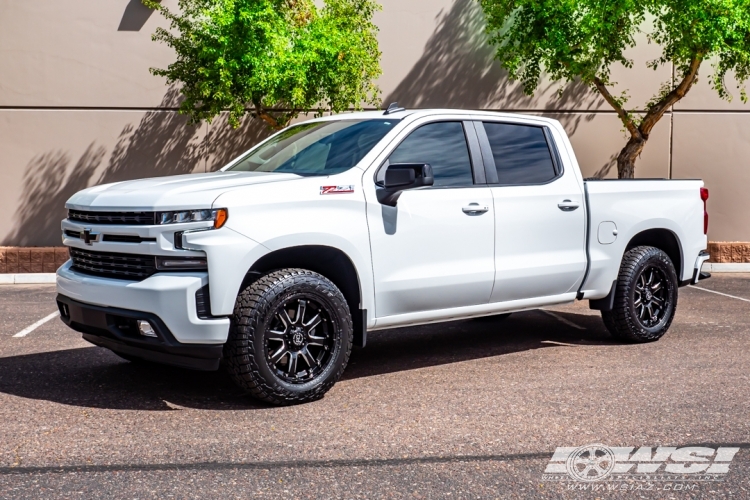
column 317, row 148
column 443, row 146
column 521, row 153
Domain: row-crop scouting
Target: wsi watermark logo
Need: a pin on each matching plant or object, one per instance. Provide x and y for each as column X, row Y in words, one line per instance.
column 595, row 463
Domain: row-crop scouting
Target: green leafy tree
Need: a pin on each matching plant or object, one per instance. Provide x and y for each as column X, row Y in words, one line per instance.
column 582, row 39
column 273, row 59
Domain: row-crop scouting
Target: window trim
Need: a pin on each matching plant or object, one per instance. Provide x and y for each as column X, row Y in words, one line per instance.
column 475, row 158
column 490, row 166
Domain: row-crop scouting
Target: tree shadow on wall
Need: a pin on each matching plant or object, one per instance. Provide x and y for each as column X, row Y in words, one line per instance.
column 162, row 143
column 605, row 170
column 223, row 143
column 458, row 70
column 47, row 184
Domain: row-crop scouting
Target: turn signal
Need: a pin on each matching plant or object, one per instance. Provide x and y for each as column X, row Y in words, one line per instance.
column 221, row 217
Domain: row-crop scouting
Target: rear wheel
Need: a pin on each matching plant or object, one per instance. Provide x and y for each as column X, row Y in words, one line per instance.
column 290, row 337
column 645, row 296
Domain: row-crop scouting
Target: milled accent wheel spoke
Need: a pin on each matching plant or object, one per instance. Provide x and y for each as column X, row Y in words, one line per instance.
column 309, row 359
column 656, row 287
column 284, row 317
column 276, row 335
column 637, row 302
column 280, row 353
column 315, row 321
column 320, row 341
column 299, row 317
column 292, row 366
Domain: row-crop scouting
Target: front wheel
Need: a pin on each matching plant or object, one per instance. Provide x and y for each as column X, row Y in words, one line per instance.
column 290, row 337
column 645, row 296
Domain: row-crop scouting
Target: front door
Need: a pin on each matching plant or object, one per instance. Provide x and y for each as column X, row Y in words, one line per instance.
column 435, row 248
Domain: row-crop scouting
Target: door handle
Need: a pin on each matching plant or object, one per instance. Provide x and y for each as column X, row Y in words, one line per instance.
column 475, row 209
column 568, row 205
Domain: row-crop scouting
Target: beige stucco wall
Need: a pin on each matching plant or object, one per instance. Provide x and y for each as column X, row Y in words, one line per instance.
column 78, row 106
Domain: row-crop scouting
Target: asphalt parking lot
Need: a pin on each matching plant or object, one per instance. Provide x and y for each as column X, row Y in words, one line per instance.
column 469, row 409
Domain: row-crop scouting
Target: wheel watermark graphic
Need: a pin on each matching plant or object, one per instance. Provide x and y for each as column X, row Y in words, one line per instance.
column 600, row 467
column 593, row 462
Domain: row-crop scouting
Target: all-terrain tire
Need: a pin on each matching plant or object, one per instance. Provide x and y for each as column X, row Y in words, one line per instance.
column 645, row 296
column 249, row 349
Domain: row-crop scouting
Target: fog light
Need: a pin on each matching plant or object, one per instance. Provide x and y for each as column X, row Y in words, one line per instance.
column 146, row 329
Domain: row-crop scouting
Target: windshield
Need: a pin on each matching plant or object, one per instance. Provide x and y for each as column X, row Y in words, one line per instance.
column 318, row 148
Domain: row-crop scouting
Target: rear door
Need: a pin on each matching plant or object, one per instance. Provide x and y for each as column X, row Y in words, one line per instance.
column 540, row 218
column 435, row 249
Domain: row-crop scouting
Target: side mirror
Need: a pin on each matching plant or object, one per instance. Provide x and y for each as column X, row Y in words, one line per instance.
column 402, row 176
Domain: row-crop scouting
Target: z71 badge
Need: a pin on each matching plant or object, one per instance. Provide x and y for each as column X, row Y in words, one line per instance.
column 336, row 189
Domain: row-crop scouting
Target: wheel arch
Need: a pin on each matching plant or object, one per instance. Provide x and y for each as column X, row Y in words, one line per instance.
column 663, row 239
column 327, row 261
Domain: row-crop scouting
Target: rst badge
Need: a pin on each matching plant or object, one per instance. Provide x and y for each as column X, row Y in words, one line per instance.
column 336, row 189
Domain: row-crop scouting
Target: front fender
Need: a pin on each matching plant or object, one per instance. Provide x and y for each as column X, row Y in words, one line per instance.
column 230, row 255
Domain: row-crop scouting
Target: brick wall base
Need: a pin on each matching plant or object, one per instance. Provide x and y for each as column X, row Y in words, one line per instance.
column 31, row 259
column 47, row 259
column 729, row 252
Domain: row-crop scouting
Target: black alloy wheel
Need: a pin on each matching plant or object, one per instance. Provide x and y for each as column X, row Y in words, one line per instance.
column 650, row 297
column 299, row 344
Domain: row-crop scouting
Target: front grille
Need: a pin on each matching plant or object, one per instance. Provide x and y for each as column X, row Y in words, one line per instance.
column 115, row 238
column 114, row 218
column 126, row 238
column 113, row 265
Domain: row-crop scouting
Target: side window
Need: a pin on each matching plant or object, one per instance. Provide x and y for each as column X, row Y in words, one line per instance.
column 443, row 146
column 521, row 153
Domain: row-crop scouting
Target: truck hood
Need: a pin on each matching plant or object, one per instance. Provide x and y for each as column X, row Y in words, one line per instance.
column 169, row 193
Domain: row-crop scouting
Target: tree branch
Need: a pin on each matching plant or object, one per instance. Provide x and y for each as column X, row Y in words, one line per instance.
column 263, row 115
column 656, row 111
column 624, row 116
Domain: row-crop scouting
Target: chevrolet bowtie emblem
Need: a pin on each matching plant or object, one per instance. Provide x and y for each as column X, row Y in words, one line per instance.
column 88, row 237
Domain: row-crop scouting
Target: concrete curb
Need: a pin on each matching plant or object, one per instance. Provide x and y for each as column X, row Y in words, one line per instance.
column 726, row 267
column 27, row 278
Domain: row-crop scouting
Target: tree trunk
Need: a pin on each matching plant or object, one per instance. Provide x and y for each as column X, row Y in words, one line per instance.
column 627, row 157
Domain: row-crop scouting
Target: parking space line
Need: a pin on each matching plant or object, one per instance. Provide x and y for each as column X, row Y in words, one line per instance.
column 563, row 320
column 719, row 293
column 36, row 325
column 559, row 343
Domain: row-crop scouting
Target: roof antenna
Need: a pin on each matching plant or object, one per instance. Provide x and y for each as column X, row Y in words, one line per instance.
column 393, row 108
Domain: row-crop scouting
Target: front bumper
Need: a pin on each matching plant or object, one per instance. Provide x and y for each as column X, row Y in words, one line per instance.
column 170, row 296
column 117, row 330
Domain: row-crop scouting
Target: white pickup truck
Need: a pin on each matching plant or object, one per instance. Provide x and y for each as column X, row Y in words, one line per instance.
column 284, row 259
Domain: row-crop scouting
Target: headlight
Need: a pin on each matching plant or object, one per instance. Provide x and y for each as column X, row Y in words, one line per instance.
column 219, row 216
